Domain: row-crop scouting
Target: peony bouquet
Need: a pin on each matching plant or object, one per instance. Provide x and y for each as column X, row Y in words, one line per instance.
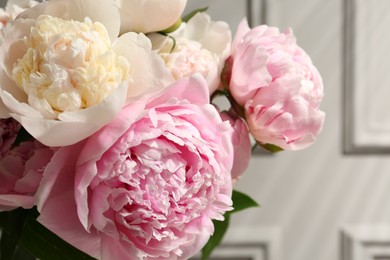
column 112, row 146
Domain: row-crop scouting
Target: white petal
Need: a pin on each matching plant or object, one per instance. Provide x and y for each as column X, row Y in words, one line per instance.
column 102, row 112
column 6, row 84
column 4, row 111
column 160, row 14
column 158, row 40
column 10, row 87
column 148, row 71
column 214, row 36
column 13, row 46
column 17, row 107
column 75, row 126
column 103, row 11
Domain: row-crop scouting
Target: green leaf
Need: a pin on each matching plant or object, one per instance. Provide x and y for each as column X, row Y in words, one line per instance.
column 45, row 245
column 220, row 228
column 193, row 13
column 22, row 136
column 11, row 232
column 271, row 148
column 242, row 201
column 3, row 219
column 22, row 254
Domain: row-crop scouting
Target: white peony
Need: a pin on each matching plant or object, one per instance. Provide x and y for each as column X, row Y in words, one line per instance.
column 68, row 66
column 199, row 46
column 149, row 15
column 64, row 73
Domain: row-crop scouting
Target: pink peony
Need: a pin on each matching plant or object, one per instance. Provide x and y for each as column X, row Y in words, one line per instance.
column 241, row 143
column 21, row 168
column 148, row 184
column 276, row 82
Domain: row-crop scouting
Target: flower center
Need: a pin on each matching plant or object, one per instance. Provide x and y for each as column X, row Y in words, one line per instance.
column 68, row 65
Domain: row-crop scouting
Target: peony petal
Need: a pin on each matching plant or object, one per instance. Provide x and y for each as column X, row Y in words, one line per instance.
column 10, row 201
column 112, row 248
column 250, row 73
column 158, row 40
column 160, row 14
column 103, row 11
column 82, row 182
column 58, row 174
column 203, row 228
column 18, row 107
column 109, row 134
column 55, row 201
column 4, row 111
column 59, row 216
column 242, row 29
column 193, row 89
column 150, row 74
column 75, row 126
column 47, row 7
column 53, row 133
column 214, row 36
column 98, row 205
column 241, row 143
column 101, row 113
column 13, row 47
column 9, row 86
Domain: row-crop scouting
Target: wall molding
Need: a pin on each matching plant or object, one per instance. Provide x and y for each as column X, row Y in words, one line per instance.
column 256, row 12
column 365, row 242
column 361, row 133
column 348, row 72
column 249, row 243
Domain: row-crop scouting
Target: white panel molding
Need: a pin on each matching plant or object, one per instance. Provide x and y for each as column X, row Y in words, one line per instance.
column 365, row 242
column 249, row 243
column 256, row 12
column 366, row 80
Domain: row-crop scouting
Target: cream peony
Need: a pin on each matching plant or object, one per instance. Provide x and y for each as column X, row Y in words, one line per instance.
column 199, row 46
column 65, row 73
column 70, row 72
column 149, row 15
